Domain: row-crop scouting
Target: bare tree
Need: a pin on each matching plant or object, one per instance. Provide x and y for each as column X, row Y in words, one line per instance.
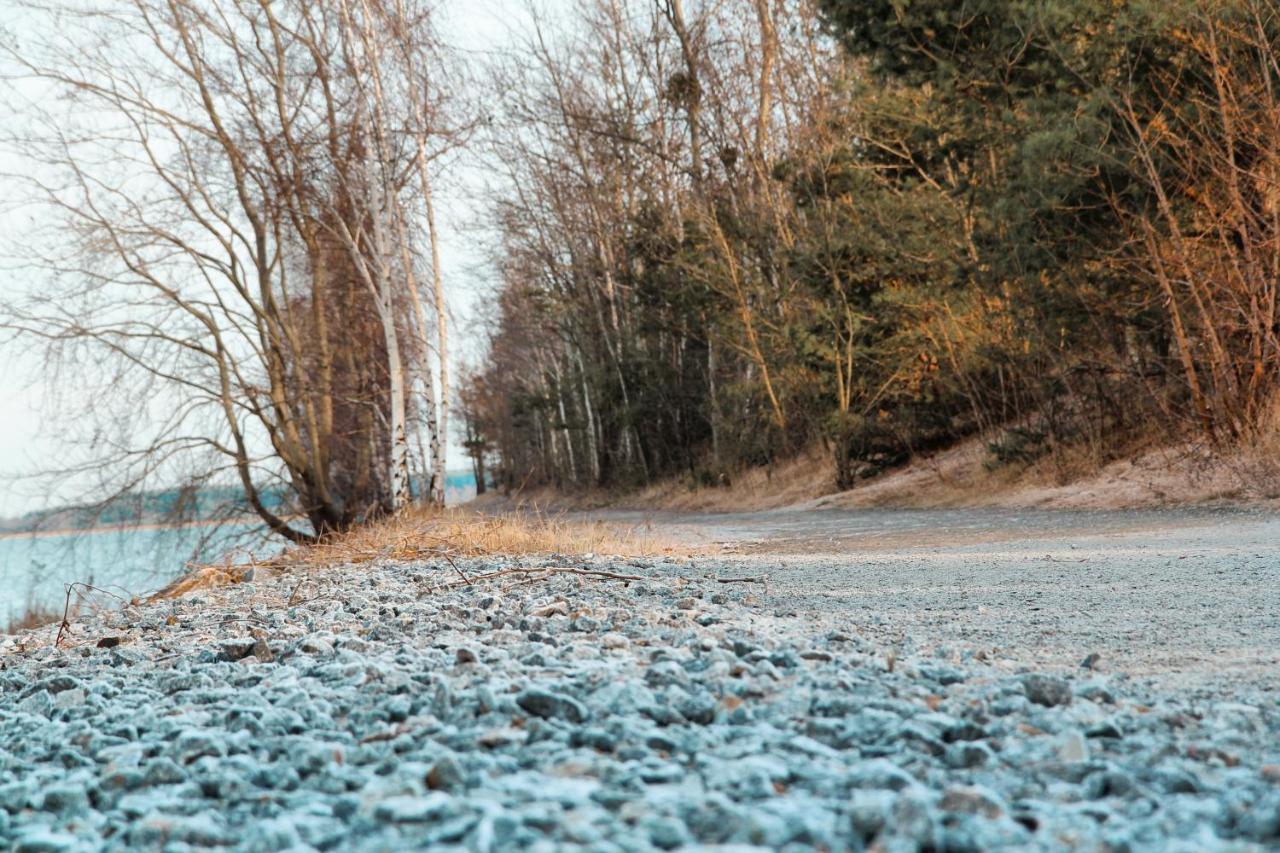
column 637, row 147
column 238, row 200
column 1208, row 150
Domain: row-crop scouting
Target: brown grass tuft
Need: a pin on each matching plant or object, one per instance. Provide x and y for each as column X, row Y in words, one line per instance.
column 808, row 476
column 420, row 533
column 203, row 577
column 463, row 533
column 34, row 616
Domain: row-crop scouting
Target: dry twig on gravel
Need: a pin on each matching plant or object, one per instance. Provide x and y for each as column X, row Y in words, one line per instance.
column 545, row 571
column 532, row 574
column 65, row 626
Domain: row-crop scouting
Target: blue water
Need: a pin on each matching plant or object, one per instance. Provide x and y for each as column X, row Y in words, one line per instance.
column 459, row 487
column 34, row 570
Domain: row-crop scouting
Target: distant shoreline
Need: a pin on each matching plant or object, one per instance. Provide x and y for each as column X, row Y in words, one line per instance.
column 118, row 528
column 164, row 525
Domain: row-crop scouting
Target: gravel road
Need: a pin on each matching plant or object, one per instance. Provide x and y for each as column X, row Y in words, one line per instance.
column 559, row 706
column 1185, row 598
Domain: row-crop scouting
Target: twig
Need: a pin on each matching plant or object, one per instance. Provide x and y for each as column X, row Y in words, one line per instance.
column 66, row 607
column 461, row 573
column 66, row 624
column 534, row 574
column 253, row 619
column 544, row 571
column 293, row 595
column 389, row 734
column 526, row 582
column 593, row 573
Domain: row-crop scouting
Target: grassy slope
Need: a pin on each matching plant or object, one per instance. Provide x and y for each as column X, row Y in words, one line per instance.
column 1148, row 476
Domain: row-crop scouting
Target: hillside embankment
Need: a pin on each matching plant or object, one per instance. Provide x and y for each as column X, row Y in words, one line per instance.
column 1146, row 477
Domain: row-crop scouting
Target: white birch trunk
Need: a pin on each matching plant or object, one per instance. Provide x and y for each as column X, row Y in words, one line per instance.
column 398, row 459
column 379, row 197
column 440, row 448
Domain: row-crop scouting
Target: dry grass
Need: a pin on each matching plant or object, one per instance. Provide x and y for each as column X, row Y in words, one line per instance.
column 1186, row 474
column 464, row 533
column 1143, row 473
column 787, row 483
column 203, row 577
column 810, row 475
column 34, row 616
column 422, row 534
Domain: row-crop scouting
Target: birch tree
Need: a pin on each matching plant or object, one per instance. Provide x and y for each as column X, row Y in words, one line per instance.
column 235, row 223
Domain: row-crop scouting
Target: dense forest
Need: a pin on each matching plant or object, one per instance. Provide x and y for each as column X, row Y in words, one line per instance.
column 731, row 231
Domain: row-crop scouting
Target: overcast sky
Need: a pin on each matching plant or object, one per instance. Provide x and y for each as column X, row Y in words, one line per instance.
column 478, row 27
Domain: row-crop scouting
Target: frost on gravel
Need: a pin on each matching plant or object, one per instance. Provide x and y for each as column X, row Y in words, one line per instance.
column 365, row 709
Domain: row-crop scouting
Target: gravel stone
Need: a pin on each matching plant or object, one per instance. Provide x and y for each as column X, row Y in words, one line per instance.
column 972, row 799
column 1073, row 748
column 40, row 839
column 589, row 714
column 1047, row 690
column 549, row 705
column 410, row 809
column 965, row 755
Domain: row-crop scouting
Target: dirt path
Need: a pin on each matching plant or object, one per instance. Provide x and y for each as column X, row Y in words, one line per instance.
column 1188, row 597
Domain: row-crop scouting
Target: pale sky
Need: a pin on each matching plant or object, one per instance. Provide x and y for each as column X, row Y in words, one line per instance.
column 475, row 26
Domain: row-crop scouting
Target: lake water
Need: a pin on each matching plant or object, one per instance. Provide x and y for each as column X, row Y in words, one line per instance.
column 34, row 570
column 459, row 487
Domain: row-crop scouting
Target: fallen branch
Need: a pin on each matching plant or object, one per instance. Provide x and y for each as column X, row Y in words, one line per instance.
column 544, row 571
column 595, row 573
column 533, row 574
column 460, row 572
column 532, row 579
column 250, row 619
